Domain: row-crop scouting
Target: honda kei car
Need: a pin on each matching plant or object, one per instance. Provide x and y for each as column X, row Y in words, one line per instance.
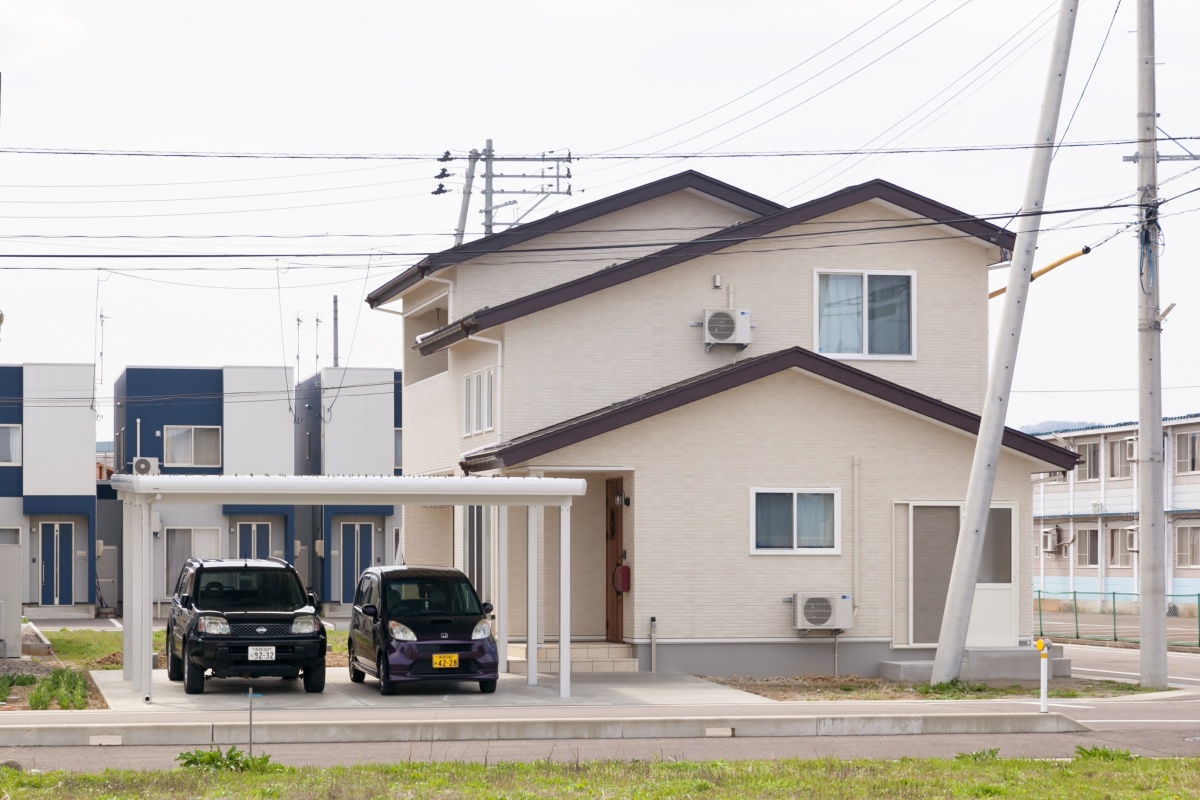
column 420, row 624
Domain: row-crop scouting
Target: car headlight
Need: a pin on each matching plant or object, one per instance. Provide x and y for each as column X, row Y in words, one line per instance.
column 212, row 625
column 306, row 623
column 401, row 632
column 483, row 630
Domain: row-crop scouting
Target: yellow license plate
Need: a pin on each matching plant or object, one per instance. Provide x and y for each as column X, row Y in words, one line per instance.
column 445, row 661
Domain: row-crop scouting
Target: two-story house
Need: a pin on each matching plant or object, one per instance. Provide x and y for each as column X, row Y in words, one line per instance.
column 774, row 410
column 1086, row 529
column 349, row 422
column 48, row 485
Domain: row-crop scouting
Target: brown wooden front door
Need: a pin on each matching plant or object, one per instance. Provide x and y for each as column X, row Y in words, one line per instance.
column 614, row 630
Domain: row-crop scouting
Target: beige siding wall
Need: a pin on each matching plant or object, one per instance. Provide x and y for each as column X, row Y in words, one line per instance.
column 648, row 227
column 432, row 428
column 428, row 535
column 640, row 336
column 691, row 502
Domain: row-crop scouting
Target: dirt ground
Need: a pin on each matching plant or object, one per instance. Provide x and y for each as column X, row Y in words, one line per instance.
column 828, row 687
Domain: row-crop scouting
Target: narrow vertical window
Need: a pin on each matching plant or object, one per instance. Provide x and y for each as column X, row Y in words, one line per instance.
column 478, row 402
column 468, row 429
column 489, row 405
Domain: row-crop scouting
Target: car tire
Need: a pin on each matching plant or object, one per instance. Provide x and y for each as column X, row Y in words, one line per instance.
column 174, row 662
column 356, row 674
column 193, row 676
column 386, row 686
column 487, row 687
column 314, row 678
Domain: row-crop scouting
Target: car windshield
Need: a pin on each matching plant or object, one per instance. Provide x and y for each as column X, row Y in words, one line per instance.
column 404, row 597
column 247, row 589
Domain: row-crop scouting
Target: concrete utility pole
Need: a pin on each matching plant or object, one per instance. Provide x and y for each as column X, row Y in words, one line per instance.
column 1152, row 547
column 461, row 230
column 957, row 615
column 335, row 332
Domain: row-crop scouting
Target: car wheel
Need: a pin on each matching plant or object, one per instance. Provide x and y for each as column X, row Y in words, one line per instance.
column 356, row 674
column 385, row 684
column 314, row 678
column 174, row 662
column 193, row 676
column 487, row 687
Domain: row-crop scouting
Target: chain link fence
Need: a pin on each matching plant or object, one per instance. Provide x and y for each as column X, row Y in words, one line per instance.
column 1112, row 616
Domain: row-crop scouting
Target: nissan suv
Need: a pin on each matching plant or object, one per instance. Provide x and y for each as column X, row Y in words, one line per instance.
column 420, row 624
column 244, row 618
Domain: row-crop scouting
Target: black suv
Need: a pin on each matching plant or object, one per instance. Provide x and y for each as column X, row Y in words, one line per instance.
column 245, row 618
column 420, row 624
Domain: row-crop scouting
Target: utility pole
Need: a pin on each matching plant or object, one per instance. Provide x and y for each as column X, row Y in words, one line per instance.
column 335, row 332
column 960, row 593
column 1151, row 517
column 553, row 182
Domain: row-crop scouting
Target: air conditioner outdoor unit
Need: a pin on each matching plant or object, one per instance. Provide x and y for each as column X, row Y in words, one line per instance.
column 822, row 612
column 1131, row 538
column 1050, row 540
column 727, row 326
column 145, row 466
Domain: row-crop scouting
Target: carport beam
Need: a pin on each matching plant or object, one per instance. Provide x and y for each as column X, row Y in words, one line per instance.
column 502, row 590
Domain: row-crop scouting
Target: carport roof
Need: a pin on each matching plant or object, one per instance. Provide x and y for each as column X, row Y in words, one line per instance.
column 635, row 409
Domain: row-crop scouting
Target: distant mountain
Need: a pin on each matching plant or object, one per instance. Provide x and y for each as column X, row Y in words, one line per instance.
column 1055, row 425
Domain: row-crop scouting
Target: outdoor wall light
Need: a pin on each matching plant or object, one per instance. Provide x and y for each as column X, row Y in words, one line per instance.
column 622, row 499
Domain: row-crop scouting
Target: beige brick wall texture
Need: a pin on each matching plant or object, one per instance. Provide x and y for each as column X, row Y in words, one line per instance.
column 693, row 469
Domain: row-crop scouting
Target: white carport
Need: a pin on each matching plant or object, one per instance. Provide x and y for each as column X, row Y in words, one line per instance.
column 139, row 493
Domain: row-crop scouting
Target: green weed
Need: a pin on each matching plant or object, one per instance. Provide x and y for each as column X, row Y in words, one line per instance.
column 232, row 761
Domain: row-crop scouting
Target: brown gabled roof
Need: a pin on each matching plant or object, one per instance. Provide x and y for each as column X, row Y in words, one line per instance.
column 636, row 409
column 735, row 234
column 565, row 219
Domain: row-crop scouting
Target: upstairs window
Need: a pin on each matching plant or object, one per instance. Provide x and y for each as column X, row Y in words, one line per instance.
column 864, row 314
column 1187, row 452
column 191, row 446
column 10, row 445
column 1121, row 455
column 398, row 447
column 1088, row 467
column 479, row 400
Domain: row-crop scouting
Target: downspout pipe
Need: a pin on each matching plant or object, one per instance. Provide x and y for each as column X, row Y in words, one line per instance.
column 855, row 529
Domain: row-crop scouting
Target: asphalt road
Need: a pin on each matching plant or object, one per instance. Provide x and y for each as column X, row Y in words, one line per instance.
column 1149, row 726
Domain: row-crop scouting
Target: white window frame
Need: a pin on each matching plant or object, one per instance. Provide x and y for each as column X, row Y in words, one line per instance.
column 1086, row 463
column 1187, row 556
column 9, row 528
column 479, row 400
column 866, row 275
column 795, row 550
column 1187, row 453
column 193, row 429
column 1119, row 556
column 20, row 445
column 1085, row 555
column 1120, row 465
column 398, row 433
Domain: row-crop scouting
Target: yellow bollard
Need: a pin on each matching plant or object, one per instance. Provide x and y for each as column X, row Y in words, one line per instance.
column 1043, row 646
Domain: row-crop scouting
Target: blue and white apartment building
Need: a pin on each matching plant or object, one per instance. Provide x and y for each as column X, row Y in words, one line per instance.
column 256, row 421
column 1086, row 520
column 48, row 480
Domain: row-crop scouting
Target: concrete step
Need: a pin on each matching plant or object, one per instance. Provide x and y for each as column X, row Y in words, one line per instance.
column 78, row 611
column 585, row 657
column 982, row 664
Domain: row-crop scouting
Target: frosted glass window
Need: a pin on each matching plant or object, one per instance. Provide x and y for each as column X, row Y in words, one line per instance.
column 10, row 444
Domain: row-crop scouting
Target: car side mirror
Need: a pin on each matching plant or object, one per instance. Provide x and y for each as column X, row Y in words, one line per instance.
column 312, row 599
column 371, row 611
column 184, row 600
column 488, row 608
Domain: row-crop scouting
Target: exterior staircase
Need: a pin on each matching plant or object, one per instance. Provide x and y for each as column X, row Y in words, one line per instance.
column 585, row 657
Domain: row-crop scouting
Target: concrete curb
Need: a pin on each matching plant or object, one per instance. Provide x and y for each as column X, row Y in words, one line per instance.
column 230, row 733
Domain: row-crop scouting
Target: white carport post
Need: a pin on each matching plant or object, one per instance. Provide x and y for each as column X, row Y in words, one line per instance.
column 564, row 600
column 502, row 590
column 531, row 593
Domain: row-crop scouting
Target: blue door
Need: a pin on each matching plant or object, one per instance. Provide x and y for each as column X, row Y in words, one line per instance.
column 58, row 547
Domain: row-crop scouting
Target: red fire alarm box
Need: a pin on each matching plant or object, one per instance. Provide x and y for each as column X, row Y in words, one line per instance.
column 621, row 578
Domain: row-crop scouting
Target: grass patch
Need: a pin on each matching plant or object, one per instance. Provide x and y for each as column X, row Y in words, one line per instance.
column 64, row 687
column 983, row 776
column 93, row 649
column 818, row 687
column 9, row 681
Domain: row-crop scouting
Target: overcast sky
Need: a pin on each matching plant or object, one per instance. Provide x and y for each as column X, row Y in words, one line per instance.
column 762, row 84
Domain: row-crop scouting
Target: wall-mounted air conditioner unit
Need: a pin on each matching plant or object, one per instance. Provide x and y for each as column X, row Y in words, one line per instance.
column 145, row 466
column 1051, row 540
column 1131, row 538
column 1097, row 507
column 822, row 612
column 727, row 326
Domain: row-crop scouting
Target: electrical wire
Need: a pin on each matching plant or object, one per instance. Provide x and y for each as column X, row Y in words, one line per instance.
column 1088, row 82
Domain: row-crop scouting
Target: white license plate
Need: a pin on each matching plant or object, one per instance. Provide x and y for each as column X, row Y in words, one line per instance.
column 262, row 653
